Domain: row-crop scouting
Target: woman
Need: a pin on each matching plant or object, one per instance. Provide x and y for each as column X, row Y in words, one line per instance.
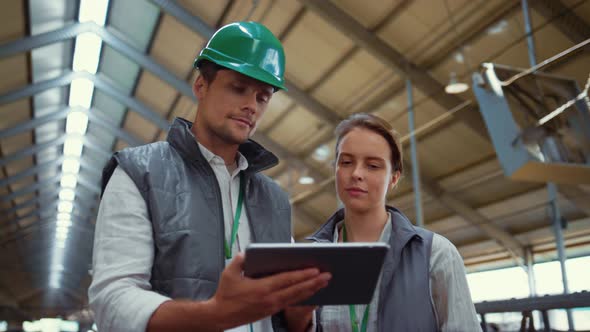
column 422, row 286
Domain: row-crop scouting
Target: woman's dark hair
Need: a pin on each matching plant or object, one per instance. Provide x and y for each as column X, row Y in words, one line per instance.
column 377, row 125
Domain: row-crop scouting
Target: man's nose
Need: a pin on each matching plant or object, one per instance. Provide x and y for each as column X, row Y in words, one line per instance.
column 250, row 102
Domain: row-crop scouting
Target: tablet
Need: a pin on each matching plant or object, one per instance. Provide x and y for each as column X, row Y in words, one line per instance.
column 355, row 267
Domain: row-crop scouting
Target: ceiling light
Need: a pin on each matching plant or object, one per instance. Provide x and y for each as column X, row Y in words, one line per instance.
column 62, row 229
column 65, row 206
column 71, row 166
column 61, row 236
column 81, row 90
column 68, row 181
column 61, row 243
column 321, row 153
column 454, row 86
column 497, row 28
column 87, row 52
column 306, row 179
column 73, row 146
column 64, row 216
column 93, row 11
column 77, row 123
column 64, row 223
column 459, row 57
column 67, row 194
column 54, row 281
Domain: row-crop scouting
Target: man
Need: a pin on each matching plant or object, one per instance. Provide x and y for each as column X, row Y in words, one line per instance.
column 174, row 215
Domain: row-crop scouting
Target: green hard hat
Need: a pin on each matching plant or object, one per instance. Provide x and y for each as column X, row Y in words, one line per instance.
column 248, row 48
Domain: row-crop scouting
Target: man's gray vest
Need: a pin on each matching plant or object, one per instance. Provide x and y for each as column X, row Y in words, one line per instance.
column 184, row 205
column 405, row 301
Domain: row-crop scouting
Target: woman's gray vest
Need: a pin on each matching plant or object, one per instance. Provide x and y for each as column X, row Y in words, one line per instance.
column 405, row 302
column 184, row 205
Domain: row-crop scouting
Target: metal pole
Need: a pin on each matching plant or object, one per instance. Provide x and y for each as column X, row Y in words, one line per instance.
column 551, row 189
column 414, row 156
column 484, row 325
column 529, row 33
column 530, row 261
column 556, row 215
column 546, row 324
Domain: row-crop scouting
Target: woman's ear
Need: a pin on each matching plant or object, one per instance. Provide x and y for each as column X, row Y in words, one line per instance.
column 394, row 180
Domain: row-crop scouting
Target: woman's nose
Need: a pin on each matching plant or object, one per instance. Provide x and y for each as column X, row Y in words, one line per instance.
column 357, row 173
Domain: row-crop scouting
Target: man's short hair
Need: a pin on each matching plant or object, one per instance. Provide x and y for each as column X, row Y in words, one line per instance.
column 209, row 70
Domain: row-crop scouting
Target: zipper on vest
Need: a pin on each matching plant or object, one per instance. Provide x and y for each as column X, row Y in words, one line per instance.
column 247, row 211
column 221, row 223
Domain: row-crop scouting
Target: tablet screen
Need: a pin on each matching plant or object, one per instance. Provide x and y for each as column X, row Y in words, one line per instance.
column 355, row 267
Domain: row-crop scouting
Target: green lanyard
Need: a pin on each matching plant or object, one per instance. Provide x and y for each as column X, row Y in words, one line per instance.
column 353, row 321
column 236, row 225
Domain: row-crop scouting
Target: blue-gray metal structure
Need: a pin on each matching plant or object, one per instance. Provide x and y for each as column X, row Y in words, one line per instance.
column 414, row 156
column 523, row 151
column 108, row 35
column 551, row 188
column 528, row 305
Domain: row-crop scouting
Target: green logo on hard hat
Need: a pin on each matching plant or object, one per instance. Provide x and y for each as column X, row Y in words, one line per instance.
column 248, row 48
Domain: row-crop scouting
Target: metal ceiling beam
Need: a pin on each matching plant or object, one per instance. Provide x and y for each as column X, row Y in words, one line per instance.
column 95, row 116
column 390, row 56
column 7, row 300
column 285, row 155
column 29, row 189
column 203, row 29
column 40, row 242
column 46, row 209
column 109, row 36
column 77, row 219
column 100, row 82
column 566, row 20
column 469, row 115
column 51, row 165
column 474, row 217
column 45, row 166
column 48, row 182
column 45, row 198
column 39, row 213
column 34, row 123
column 27, row 295
column 31, row 150
column 577, row 196
column 33, row 201
column 42, row 246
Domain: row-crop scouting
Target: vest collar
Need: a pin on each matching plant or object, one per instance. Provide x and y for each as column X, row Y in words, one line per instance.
column 182, row 139
column 402, row 230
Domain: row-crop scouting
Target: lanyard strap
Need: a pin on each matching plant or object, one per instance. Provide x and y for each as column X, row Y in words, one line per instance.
column 236, row 224
column 354, row 323
column 353, row 320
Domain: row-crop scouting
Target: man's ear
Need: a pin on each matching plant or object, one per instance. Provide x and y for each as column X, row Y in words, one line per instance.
column 200, row 87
